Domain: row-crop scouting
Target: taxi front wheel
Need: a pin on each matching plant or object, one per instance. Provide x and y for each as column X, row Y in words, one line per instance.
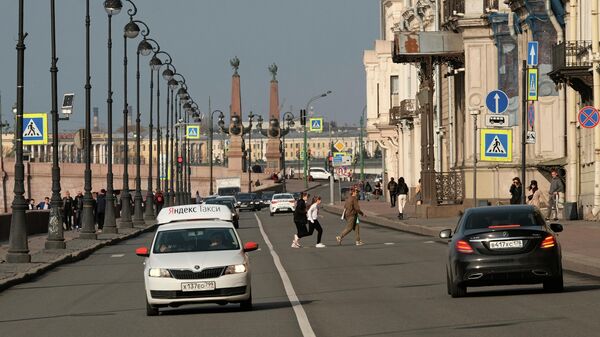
column 247, row 304
column 150, row 310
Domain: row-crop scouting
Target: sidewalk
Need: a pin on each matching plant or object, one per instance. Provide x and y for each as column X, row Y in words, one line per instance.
column 579, row 240
column 43, row 259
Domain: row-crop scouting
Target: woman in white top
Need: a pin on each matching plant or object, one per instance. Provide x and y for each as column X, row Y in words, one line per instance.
column 313, row 220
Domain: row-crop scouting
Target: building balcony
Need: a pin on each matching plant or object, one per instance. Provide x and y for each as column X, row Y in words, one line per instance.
column 572, row 64
column 405, row 110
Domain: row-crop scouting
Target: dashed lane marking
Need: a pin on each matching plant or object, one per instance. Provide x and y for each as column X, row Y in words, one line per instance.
column 117, row 255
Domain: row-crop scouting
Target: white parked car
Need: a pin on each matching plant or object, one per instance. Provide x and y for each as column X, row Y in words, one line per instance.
column 282, row 202
column 319, row 173
column 196, row 257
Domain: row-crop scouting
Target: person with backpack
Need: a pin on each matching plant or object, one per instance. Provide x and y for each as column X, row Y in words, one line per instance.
column 402, row 196
column 159, row 199
column 392, row 186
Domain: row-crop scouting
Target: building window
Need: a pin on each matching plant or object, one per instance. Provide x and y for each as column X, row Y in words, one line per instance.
column 394, row 91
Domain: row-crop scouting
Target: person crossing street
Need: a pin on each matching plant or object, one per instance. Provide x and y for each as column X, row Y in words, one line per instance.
column 351, row 212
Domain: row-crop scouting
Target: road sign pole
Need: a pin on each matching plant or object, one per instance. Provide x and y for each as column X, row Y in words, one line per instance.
column 524, row 130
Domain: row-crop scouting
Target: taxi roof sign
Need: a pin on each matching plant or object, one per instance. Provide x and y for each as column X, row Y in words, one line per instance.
column 193, row 212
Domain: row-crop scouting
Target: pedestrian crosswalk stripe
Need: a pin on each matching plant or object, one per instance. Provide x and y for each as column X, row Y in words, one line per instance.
column 496, row 146
column 32, row 130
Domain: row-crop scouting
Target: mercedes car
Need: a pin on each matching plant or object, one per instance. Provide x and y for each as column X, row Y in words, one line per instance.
column 503, row 245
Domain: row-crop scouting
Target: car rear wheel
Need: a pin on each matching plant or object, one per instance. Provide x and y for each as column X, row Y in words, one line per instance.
column 150, row 310
column 247, row 304
column 457, row 290
column 555, row 284
column 272, row 213
column 448, row 282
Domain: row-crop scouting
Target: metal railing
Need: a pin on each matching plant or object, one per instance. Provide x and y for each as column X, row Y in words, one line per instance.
column 450, row 187
column 572, row 54
column 452, row 7
column 405, row 110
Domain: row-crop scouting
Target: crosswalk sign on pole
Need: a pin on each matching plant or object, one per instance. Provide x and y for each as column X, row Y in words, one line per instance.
column 532, row 84
column 35, row 128
column 316, row 124
column 496, row 145
column 192, row 131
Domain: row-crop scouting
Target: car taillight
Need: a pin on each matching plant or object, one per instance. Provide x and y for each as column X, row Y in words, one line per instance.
column 273, row 201
column 548, row 242
column 463, row 246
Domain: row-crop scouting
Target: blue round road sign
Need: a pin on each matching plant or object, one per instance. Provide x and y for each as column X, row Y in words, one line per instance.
column 497, row 101
column 588, row 117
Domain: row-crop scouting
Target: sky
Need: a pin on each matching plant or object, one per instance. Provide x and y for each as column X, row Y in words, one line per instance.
column 317, row 45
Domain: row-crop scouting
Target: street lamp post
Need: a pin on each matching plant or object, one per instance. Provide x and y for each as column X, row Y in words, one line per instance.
column 112, row 7
column 237, row 129
column 55, row 239
column 155, row 64
column 276, row 130
column 18, row 251
column 303, row 121
column 144, row 48
column 362, row 146
column 131, row 31
column 210, row 146
column 88, row 227
column 249, row 150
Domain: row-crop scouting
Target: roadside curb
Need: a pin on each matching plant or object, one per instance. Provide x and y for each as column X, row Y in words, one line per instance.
column 572, row 262
column 68, row 258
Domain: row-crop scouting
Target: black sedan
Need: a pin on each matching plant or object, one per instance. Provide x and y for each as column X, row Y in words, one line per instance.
column 503, row 245
column 235, row 217
column 248, row 201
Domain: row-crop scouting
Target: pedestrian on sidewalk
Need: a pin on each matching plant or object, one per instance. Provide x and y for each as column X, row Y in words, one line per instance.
column 160, row 201
column 68, row 207
column 351, row 212
column 31, row 204
column 300, row 220
column 368, row 190
column 557, row 187
column 313, row 221
column 402, row 197
column 198, row 198
column 44, row 204
column 536, row 197
column 101, row 209
column 392, row 186
column 516, row 191
column 419, row 193
column 78, row 209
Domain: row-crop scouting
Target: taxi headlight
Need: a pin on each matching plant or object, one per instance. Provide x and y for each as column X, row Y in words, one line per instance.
column 236, row 269
column 159, row 272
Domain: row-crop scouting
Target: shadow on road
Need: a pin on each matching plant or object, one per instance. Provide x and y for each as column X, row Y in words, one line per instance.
column 212, row 309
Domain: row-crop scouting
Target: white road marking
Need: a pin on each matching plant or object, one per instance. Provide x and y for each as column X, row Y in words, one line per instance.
column 303, row 322
column 429, row 242
column 325, row 185
column 389, row 243
column 117, row 255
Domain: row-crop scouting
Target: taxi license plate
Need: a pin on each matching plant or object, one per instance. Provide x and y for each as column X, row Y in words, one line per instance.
column 508, row 244
column 198, row 286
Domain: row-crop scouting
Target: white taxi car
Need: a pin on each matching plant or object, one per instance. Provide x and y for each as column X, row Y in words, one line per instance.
column 196, row 257
column 282, row 202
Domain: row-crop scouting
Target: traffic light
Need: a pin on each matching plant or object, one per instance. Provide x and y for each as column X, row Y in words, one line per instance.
column 303, row 117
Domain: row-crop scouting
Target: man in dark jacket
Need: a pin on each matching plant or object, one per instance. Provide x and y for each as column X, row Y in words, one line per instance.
column 68, row 207
column 78, row 209
column 300, row 220
column 392, row 187
column 101, row 209
column 351, row 212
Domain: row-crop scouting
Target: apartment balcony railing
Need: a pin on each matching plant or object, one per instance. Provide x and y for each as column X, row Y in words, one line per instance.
column 405, row 109
column 571, row 63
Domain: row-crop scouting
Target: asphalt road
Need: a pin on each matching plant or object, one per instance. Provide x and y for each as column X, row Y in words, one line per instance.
column 394, row 285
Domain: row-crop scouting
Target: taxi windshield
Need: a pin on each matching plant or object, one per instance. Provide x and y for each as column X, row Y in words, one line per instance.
column 195, row 240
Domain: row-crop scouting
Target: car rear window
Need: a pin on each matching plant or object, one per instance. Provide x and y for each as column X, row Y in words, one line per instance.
column 283, row 196
column 195, row 240
column 503, row 220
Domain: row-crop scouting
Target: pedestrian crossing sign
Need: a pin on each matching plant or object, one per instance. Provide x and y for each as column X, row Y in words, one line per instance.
column 496, row 145
column 192, row 132
column 35, row 128
column 316, row 124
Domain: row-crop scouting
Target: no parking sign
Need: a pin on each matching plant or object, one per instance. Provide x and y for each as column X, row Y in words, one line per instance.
column 588, row 117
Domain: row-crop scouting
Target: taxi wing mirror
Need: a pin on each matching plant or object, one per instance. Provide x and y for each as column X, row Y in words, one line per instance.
column 142, row 251
column 250, row 246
